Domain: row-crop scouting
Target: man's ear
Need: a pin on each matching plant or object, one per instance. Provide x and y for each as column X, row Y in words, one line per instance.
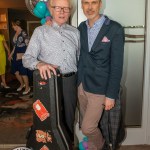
column 49, row 7
column 50, row 10
column 70, row 14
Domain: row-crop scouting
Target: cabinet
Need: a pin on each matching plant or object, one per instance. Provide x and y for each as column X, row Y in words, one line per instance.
column 4, row 23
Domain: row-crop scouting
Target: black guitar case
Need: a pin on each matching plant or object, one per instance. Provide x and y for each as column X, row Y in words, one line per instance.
column 48, row 131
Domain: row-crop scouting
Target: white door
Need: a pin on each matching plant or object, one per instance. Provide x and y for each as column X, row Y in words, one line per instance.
column 134, row 17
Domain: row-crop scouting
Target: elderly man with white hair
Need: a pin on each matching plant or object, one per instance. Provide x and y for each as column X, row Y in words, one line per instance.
column 57, row 46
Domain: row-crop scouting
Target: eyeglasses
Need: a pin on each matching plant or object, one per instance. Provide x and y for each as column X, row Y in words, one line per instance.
column 58, row 9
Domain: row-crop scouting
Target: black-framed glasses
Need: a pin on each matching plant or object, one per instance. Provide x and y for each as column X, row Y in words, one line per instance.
column 58, row 9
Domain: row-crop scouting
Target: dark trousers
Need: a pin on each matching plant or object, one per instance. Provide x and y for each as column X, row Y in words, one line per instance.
column 70, row 101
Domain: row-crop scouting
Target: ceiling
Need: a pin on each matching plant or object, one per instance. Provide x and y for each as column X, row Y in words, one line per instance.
column 18, row 4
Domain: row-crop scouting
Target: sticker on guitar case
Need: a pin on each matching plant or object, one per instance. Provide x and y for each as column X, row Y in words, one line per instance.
column 44, row 148
column 42, row 136
column 40, row 110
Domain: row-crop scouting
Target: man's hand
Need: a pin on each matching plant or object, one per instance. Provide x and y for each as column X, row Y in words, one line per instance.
column 45, row 70
column 109, row 103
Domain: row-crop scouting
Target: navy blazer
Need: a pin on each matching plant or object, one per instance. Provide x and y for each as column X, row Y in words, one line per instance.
column 100, row 70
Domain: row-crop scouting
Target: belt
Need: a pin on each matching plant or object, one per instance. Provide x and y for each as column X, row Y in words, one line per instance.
column 68, row 74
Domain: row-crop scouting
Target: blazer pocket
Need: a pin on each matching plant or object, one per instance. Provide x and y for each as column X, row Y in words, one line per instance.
column 101, row 72
column 104, row 44
column 101, row 46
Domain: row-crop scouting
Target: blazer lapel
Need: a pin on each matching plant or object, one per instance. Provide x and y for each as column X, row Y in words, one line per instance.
column 85, row 38
column 101, row 33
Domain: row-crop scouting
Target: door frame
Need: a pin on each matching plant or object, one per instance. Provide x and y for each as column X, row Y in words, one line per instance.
column 136, row 136
column 148, row 70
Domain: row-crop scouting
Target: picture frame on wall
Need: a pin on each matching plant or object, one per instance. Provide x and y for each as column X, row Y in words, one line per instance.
column 31, row 25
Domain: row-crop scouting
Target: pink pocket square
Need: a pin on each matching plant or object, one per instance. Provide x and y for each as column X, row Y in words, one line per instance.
column 105, row 39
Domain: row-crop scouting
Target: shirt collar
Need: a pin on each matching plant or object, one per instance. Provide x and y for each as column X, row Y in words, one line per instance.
column 55, row 25
column 97, row 22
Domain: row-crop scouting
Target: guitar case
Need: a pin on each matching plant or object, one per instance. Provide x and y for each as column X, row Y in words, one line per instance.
column 49, row 131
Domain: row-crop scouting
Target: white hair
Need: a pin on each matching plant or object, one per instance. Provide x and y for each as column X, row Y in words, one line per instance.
column 70, row 2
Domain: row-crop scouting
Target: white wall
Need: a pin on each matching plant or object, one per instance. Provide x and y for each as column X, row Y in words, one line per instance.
column 114, row 9
column 74, row 14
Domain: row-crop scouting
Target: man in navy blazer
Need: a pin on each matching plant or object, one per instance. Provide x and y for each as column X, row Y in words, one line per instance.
column 99, row 69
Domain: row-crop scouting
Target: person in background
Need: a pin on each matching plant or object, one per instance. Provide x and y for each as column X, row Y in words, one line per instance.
column 99, row 69
column 20, row 41
column 57, row 45
column 3, row 47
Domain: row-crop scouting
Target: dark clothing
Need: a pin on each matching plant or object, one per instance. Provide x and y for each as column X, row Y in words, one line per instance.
column 100, row 70
column 112, row 126
column 20, row 47
column 17, row 64
column 70, row 100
